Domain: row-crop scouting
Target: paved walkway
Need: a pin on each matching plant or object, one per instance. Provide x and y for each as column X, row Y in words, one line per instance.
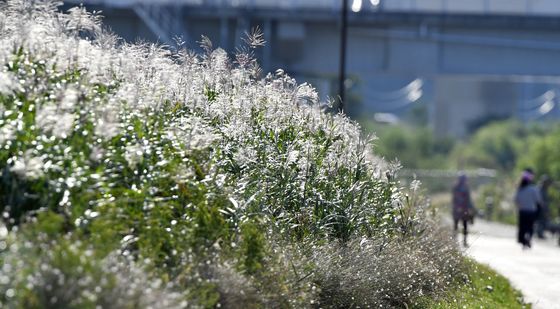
column 536, row 272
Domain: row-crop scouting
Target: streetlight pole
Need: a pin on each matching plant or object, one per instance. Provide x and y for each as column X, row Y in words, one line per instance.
column 342, row 62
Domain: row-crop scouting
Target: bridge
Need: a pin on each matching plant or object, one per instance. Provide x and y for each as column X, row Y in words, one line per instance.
column 462, row 62
column 486, row 7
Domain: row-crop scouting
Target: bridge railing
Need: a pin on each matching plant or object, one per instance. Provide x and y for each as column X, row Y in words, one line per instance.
column 477, row 7
column 281, row 4
column 502, row 7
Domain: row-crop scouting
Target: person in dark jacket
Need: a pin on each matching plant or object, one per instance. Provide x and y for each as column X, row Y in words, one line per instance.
column 527, row 199
column 462, row 206
column 543, row 216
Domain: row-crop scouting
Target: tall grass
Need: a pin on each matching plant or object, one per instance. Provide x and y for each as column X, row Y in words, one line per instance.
column 132, row 163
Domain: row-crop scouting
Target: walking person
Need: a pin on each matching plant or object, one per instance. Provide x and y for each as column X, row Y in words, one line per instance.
column 543, row 215
column 527, row 199
column 463, row 209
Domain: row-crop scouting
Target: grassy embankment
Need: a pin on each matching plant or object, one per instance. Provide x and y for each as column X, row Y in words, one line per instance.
column 483, row 288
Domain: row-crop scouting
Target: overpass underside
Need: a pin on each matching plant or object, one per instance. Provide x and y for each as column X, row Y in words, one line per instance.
column 463, row 69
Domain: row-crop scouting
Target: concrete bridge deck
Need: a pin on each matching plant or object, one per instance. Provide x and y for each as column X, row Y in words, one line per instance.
column 477, row 7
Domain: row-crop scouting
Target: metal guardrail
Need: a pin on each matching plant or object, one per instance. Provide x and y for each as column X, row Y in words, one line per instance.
column 476, row 7
column 432, row 173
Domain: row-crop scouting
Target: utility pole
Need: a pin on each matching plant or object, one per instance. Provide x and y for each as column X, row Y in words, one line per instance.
column 342, row 62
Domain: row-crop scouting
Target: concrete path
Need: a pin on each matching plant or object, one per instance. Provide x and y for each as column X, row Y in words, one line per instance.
column 536, row 271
